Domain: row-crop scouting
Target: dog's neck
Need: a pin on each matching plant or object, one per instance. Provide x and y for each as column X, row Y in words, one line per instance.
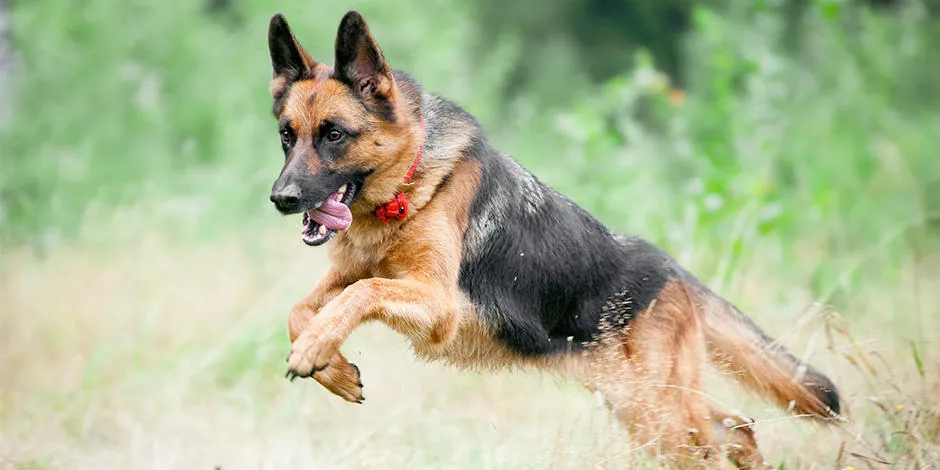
column 448, row 139
column 398, row 207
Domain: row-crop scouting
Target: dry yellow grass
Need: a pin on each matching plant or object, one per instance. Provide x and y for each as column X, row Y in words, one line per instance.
column 151, row 354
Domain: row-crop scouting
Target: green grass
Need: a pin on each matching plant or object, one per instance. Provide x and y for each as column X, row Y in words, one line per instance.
column 145, row 279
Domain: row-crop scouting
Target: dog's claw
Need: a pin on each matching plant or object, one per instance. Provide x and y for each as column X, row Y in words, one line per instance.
column 291, row 375
column 358, row 374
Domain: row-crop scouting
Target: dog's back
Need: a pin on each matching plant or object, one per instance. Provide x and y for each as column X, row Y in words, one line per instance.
column 542, row 272
column 549, row 279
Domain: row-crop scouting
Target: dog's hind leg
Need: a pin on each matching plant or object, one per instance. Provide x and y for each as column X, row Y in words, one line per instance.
column 651, row 375
column 733, row 434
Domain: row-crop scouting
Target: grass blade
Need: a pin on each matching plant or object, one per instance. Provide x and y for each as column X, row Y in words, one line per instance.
column 917, row 361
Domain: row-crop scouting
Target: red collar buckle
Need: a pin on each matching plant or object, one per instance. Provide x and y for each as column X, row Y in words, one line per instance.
column 395, row 209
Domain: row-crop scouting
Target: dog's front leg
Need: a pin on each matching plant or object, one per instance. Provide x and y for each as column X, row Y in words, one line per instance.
column 342, row 377
column 426, row 312
column 327, row 288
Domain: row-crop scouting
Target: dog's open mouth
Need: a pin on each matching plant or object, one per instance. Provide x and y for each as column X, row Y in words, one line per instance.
column 329, row 216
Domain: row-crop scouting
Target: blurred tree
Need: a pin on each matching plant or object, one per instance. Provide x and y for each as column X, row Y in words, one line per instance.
column 6, row 62
column 227, row 10
column 604, row 34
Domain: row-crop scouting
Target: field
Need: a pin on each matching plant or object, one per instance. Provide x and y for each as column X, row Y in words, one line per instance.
column 145, row 280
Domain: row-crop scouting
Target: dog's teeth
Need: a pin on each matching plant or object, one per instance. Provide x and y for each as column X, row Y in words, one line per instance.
column 322, row 230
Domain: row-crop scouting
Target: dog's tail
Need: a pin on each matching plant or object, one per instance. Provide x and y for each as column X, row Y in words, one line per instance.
column 736, row 344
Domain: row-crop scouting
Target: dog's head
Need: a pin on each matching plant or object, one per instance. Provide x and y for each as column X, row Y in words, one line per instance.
column 346, row 139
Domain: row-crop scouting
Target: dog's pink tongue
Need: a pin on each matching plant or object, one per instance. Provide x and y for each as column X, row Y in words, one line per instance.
column 333, row 215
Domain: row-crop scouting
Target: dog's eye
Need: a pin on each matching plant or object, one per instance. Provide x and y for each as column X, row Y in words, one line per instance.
column 334, row 135
column 285, row 137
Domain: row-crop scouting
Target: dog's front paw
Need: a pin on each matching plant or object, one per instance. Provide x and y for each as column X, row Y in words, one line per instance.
column 310, row 353
column 340, row 377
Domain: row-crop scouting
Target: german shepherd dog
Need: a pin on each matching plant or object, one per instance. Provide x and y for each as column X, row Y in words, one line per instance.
column 457, row 247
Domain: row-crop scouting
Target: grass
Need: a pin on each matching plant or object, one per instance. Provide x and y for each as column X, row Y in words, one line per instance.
column 145, row 281
column 163, row 356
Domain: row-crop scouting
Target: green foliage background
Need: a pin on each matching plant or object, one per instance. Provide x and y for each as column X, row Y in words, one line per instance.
column 783, row 150
column 821, row 146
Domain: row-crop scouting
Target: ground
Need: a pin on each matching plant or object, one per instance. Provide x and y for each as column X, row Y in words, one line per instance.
column 140, row 353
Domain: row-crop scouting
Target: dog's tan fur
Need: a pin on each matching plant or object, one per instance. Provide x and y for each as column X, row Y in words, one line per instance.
column 406, row 279
column 650, row 374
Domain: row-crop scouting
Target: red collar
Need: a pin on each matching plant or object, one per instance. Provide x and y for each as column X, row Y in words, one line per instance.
column 397, row 208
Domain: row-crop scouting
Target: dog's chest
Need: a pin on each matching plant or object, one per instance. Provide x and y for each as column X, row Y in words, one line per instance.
column 353, row 257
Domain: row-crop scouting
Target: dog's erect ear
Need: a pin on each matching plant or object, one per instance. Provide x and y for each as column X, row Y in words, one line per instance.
column 289, row 61
column 359, row 61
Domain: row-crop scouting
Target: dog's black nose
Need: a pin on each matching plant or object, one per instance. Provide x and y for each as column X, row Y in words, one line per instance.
column 285, row 199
